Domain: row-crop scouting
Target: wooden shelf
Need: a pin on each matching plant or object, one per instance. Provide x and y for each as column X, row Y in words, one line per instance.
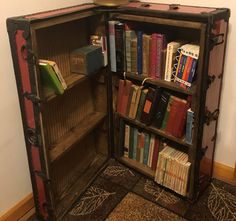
column 71, row 80
column 155, row 131
column 75, row 135
column 142, row 168
column 162, row 83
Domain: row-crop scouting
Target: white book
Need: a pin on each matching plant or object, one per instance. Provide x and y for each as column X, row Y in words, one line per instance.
column 172, row 48
column 126, row 142
column 151, row 148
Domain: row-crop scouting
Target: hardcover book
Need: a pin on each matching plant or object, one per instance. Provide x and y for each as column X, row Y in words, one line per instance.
column 112, row 44
column 161, row 109
column 49, row 78
column 150, row 105
column 120, row 47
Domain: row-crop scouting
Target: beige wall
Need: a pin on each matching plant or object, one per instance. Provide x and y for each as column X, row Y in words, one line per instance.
column 14, row 176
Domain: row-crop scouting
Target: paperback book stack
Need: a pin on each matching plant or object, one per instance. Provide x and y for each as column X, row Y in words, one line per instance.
column 173, row 170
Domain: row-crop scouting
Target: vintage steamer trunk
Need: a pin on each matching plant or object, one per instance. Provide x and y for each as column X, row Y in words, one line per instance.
column 70, row 137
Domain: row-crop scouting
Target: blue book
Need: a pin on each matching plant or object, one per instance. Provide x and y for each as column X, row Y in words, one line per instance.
column 139, row 52
column 189, row 127
column 146, row 148
column 192, row 70
column 135, row 143
column 131, row 142
column 182, row 66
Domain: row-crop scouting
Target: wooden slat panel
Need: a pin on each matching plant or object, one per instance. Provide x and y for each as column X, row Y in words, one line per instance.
column 65, row 112
column 160, row 21
column 76, row 134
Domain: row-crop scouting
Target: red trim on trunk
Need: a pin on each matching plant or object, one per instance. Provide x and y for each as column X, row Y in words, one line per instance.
column 29, row 111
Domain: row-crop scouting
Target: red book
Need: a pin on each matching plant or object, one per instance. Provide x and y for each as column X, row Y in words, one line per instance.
column 153, row 56
column 119, row 97
column 125, row 96
column 155, row 154
column 187, row 70
column 173, row 116
column 180, row 130
column 180, row 119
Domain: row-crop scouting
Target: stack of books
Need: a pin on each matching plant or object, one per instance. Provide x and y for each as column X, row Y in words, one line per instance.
column 173, row 170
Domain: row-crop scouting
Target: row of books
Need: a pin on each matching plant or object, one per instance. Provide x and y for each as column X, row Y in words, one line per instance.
column 156, row 107
column 141, row 146
column 173, row 170
column 151, row 55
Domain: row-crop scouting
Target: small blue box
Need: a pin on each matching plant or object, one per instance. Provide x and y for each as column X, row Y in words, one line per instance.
column 86, row 60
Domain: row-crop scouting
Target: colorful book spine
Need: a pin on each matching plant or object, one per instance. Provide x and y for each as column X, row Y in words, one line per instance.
column 146, row 53
column 129, row 36
column 126, row 141
column 155, row 154
column 189, row 127
column 134, row 55
column 151, row 149
column 150, row 105
column 112, row 44
column 160, row 46
column 176, row 63
column 131, row 143
column 132, row 91
column 125, row 97
column 167, row 113
column 141, row 147
column 135, row 143
column 146, row 148
column 153, row 55
column 170, row 56
column 141, row 103
column 134, row 107
column 49, row 78
column 139, row 52
column 120, row 49
column 161, row 109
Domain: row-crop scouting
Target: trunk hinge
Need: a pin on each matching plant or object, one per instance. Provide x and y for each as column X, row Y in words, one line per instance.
column 216, row 39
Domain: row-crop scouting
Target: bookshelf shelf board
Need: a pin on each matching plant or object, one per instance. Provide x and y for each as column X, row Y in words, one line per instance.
column 162, row 83
column 75, row 135
column 156, row 131
column 71, row 80
column 88, row 170
column 138, row 166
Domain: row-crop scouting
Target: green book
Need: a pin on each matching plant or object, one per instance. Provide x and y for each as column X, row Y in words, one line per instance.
column 166, row 117
column 141, row 103
column 131, row 142
column 49, row 78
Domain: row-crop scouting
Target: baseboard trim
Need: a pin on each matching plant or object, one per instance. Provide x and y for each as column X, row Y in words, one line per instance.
column 221, row 172
column 19, row 210
column 224, row 173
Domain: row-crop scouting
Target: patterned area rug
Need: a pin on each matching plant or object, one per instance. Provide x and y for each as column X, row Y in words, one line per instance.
column 120, row 193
